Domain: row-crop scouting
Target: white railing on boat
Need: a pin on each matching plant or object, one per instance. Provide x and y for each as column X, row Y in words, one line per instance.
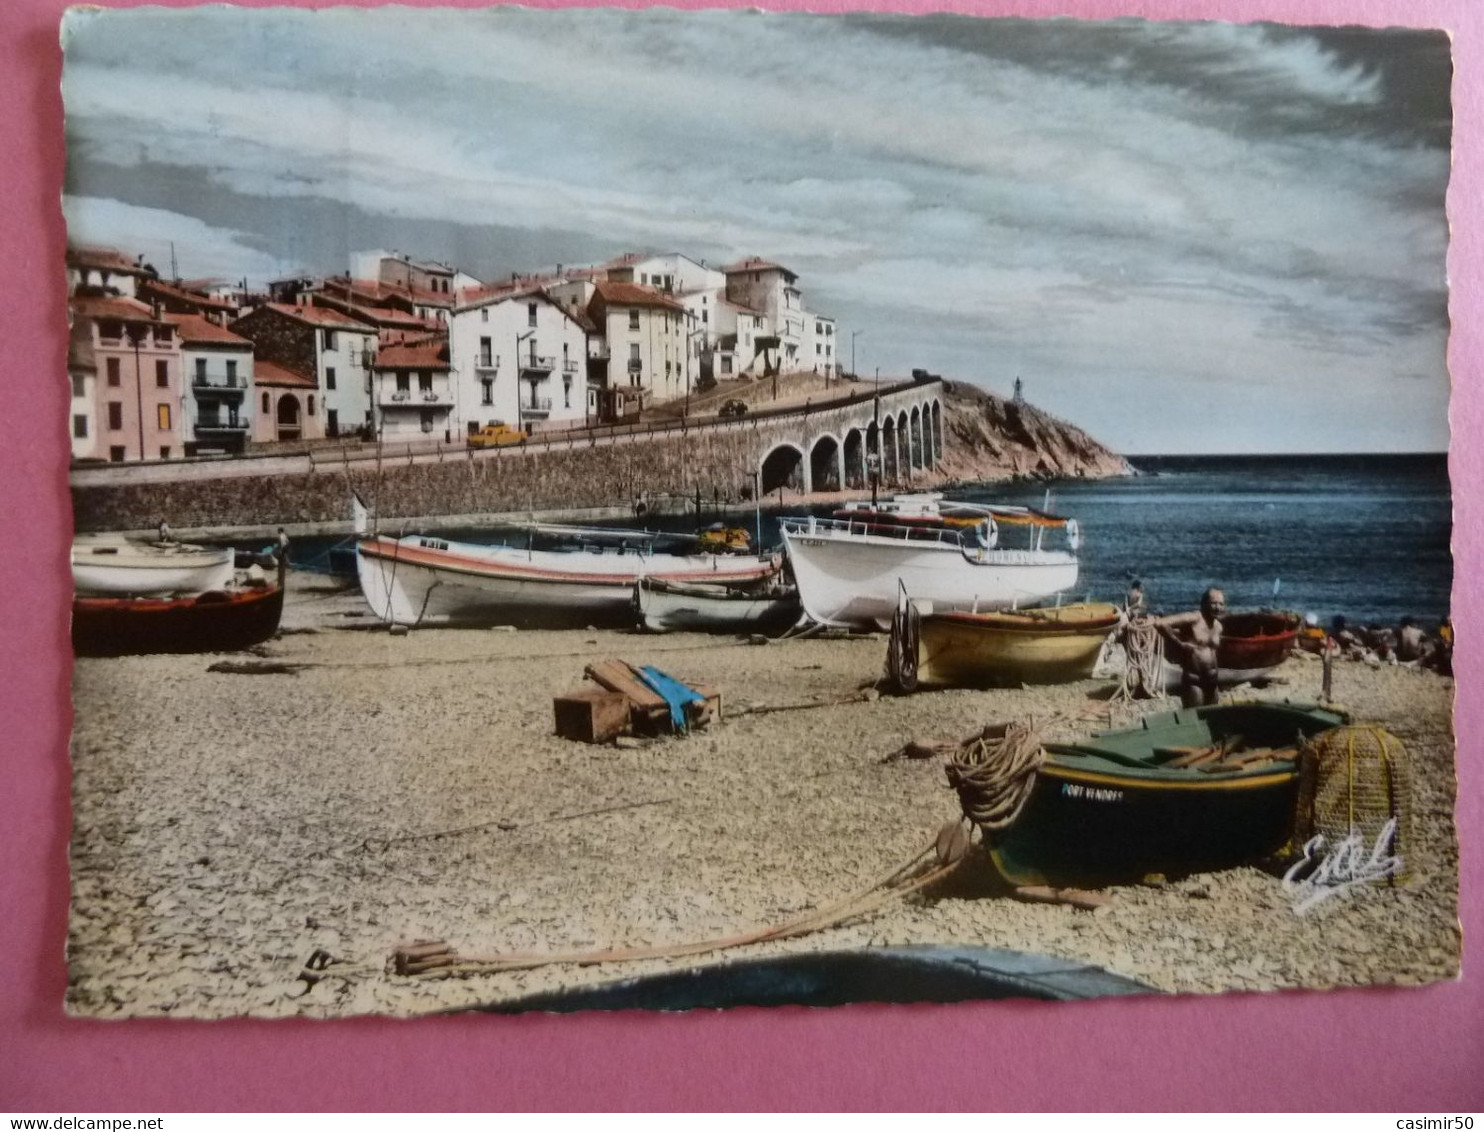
column 837, row 528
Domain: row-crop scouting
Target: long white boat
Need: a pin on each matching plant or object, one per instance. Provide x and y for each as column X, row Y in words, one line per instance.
column 947, row 555
column 420, row 580
column 104, row 565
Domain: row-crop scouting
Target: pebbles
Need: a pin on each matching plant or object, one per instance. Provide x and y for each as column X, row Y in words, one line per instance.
column 228, row 827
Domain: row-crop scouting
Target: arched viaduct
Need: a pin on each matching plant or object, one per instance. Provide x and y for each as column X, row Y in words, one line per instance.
column 831, row 448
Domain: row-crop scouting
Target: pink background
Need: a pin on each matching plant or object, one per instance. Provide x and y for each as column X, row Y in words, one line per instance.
column 1405, row 1049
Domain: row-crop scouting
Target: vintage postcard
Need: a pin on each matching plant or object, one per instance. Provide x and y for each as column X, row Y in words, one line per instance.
column 603, row 509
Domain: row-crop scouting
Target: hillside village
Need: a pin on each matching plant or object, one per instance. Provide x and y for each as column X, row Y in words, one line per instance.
column 403, row 350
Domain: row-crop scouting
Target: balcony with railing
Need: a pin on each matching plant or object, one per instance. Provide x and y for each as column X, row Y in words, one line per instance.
column 219, row 383
column 220, row 424
column 487, row 363
column 537, row 363
column 569, row 366
column 415, row 398
column 535, row 408
column 636, row 366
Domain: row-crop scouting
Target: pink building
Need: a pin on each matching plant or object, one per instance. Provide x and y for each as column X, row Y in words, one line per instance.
column 137, row 394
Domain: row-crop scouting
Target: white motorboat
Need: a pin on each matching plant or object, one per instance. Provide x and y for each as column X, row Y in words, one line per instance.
column 420, row 580
column 947, row 555
column 105, row 565
column 673, row 607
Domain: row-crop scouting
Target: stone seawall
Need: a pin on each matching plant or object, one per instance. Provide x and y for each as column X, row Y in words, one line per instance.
column 715, row 462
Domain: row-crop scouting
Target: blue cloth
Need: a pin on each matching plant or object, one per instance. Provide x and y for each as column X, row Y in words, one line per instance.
column 676, row 694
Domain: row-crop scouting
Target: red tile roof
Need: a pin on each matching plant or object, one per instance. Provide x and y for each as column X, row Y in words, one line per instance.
column 196, row 330
column 271, row 373
column 108, row 259
column 319, row 316
column 108, row 306
column 380, row 317
column 183, row 295
column 755, row 263
column 635, row 295
column 430, row 353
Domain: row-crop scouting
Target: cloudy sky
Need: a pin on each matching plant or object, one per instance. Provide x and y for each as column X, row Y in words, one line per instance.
column 1184, row 237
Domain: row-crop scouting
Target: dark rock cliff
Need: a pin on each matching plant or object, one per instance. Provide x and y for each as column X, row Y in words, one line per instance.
column 987, row 438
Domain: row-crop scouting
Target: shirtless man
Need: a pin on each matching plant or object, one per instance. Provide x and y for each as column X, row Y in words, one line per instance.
column 1195, row 638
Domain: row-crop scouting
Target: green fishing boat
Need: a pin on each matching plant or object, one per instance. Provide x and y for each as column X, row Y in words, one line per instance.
column 1186, row 791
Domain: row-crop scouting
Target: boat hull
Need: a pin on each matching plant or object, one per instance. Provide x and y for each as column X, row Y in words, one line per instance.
column 1091, row 819
column 416, row 581
column 663, row 608
column 1252, row 645
column 1050, row 646
column 214, row 621
column 854, row 580
column 118, row 567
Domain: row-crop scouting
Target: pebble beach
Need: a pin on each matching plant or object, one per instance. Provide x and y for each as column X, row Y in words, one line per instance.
column 378, row 790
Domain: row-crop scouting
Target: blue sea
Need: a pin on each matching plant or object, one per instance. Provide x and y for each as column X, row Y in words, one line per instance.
column 1363, row 536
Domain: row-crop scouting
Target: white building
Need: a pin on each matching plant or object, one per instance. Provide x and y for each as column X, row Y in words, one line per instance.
column 217, row 378
column 645, row 340
column 773, row 289
column 413, row 389
column 519, row 357
column 105, row 271
column 428, row 289
column 820, row 347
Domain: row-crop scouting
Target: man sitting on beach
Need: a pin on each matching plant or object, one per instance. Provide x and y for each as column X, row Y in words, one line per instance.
column 1195, row 638
column 1410, row 643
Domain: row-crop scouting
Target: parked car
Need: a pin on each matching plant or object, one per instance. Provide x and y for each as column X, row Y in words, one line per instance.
column 496, row 434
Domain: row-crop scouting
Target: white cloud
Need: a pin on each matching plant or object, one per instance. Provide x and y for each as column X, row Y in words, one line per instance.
column 200, row 250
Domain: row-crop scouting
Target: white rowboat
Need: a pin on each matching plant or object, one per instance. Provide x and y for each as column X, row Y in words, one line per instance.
column 420, row 580
column 112, row 565
column 669, row 607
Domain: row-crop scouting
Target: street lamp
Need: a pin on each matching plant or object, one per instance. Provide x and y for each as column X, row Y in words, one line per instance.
column 853, row 335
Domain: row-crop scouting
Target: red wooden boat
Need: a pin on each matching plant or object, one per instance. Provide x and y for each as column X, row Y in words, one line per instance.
column 1253, row 643
column 214, row 621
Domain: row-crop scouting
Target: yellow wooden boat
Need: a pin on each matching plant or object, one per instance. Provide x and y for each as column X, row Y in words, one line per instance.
column 1012, row 647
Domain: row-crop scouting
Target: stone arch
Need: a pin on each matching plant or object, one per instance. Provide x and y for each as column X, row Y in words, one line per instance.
column 914, row 438
column 855, row 458
column 937, row 431
column 826, row 466
column 784, row 467
column 286, row 418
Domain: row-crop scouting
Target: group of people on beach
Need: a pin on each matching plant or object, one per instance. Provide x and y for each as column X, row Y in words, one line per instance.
column 1194, row 641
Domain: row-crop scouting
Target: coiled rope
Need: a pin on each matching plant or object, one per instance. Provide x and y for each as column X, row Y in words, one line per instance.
column 1144, row 666
column 994, row 773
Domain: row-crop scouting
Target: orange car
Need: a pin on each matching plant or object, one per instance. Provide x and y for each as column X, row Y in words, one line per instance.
column 496, row 434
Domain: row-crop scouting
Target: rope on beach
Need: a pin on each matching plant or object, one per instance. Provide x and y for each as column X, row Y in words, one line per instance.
column 438, row 960
column 994, row 773
column 1144, row 666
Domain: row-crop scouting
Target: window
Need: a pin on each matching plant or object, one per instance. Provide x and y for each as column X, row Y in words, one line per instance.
column 165, row 453
column 231, row 371
column 484, row 314
column 116, row 454
column 329, row 377
column 80, row 426
column 427, row 420
column 705, row 318
column 634, row 319
column 162, row 415
column 311, row 404
column 566, row 394
column 330, row 340
column 487, row 392
column 113, row 371
column 425, row 383
column 162, row 373
column 726, row 363
column 115, row 415
column 403, row 383
column 164, row 334
column 818, row 328
column 265, row 402
column 79, row 385
column 817, row 350
column 486, row 350
column 200, row 371
column 110, row 330
column 332, row 422
column 530, row 314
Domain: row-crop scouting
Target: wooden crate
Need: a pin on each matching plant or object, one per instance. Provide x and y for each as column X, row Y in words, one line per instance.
column 591, row 715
